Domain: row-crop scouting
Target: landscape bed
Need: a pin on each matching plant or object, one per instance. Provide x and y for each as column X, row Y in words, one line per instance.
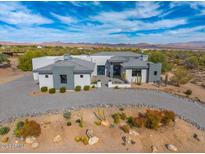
column 66, row 131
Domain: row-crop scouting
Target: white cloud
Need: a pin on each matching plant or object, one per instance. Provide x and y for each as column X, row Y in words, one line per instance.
column 64, row 19
column 17, row 14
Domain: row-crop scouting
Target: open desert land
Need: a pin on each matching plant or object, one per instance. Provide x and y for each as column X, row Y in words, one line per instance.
column 56, row 136
column 11, row 72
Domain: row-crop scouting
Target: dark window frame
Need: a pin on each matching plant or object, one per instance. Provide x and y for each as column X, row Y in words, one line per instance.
column 136, row 72
column 155, row 73
column 63, row 79
column 46, row 75
column 81, row 76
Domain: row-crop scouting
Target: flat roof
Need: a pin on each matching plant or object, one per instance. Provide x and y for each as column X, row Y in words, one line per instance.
column 116, row 53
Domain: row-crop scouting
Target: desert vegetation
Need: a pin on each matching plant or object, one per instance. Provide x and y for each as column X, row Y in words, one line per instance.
column 126, row 129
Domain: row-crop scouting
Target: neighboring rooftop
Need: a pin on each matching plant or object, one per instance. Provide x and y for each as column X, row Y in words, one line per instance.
column 78, row 65
column 135, row 63
column 124, row 53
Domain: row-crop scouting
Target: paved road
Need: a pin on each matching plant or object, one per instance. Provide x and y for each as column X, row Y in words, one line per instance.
column 15, row 100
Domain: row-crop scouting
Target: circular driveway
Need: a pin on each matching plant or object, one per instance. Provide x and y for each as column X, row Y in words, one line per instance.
column 15, row 100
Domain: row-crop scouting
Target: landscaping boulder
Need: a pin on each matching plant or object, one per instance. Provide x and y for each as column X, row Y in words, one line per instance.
column 197, row 137
column 30, row 140
column 89, row 133
column 93, row 140
column 132, row 132
column 154, row 149
column 171, row 147
column 35, row 145
column 105, row 123
column 57, row 139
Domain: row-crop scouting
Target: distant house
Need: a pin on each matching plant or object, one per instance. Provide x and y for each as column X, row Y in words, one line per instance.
column 70, row 71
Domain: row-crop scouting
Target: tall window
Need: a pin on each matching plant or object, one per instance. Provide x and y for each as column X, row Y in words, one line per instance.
column 136, row 72
column 155, row 72
column 63, row 78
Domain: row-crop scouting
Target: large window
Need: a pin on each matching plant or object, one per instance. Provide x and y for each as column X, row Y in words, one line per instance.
column 136, row 72
column 63, row 78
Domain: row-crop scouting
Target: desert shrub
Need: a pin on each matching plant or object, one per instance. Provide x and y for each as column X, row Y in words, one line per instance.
column 67, row 115
column 121, row 109
column 86, row 88
column 80, row 122
column 116, row 117
column 116, row 87
column 29, row 128
column 152, row 119
column 84, row 139
column 68, row 123
column 78, row 88
column 168, row 116
column 98, row 123
column 188, row 92
column 125, row 128
column 19, row 124
column 52, row 91
column 62, row 89
column 44, row 89
column 138, row 121
column 3, row 58
column 78, row 138
column 93, row 86
column 181, row 76
column 123, row 116
column 4, row 130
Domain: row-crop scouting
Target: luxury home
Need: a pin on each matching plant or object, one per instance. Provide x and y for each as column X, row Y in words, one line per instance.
column 72, row 70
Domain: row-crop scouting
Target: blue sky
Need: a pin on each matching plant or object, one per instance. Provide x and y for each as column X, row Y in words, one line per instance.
column 102, row 22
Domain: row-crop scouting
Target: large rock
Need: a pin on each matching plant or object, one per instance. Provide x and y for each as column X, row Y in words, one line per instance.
column 154, row 149
column 132, row 132
column 197, row 137
column 89, row 133
column 171, row 147
column 30, row 140
column 35, row 145
column 105, row 123
column 93, row 140
column 57, row 139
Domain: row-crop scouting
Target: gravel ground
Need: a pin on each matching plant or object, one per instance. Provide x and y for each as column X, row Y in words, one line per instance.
column 16, row 101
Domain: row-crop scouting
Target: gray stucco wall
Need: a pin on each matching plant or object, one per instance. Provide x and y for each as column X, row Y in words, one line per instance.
column 61, row 70
column 152, row 68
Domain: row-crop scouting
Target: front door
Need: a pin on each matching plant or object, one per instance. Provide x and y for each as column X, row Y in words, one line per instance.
column 101, row 70
column 116, row 70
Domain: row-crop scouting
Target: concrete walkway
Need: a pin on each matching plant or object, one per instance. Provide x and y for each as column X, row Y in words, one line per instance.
column 15, row 100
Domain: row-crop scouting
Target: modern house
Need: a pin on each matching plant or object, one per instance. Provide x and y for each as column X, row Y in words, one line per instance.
column 72, row 70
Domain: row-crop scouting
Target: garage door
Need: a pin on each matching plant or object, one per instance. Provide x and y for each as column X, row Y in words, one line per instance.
column 101, row 70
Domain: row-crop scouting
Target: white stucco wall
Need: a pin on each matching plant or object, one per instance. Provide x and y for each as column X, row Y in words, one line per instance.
column 130, row 78
column 45, row 82
column 44, row 61
column 86, row 80
column 35, row 76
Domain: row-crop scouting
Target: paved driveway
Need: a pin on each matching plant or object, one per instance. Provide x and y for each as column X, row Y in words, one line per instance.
column 15, row 100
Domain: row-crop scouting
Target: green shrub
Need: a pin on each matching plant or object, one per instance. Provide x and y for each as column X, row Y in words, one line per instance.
column 78, row 138
column 84, row 139
column 78, row 88
column 80, row 122
column 116, row 117
column 168, row 116
column 29, row 128
column 44, row 89
column 86, row 88
column 98, row 123
column 62, row 89
column 52, row 91
column 19, row 124
column 125, row 128
column 67, row 115
column 123, row 116
column 121, row 109
column 116, row 87
column 152, row 119
column 188, row 92
column 93, row 86
column 4, row 130
column 68, row 123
